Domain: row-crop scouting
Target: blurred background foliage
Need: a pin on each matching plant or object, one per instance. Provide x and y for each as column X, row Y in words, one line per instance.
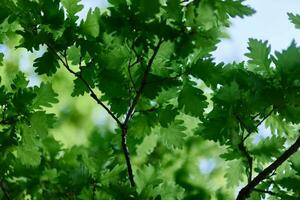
column 82, row 124
column 85, row 158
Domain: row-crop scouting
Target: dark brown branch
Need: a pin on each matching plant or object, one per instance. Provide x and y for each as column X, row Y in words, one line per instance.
column 79, row 76
column 245, row 191
column 131, row 111
column 4, row 189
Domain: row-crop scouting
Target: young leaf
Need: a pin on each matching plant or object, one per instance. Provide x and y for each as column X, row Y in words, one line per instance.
column 295, row 19
column 47, row 64
column 90, row 26
column 173, row 136
column 268, row 148
column 45, row 95
column 72, row 7
column 235, row 173
column 192, row 100
column 235, row 8
column 259, row 52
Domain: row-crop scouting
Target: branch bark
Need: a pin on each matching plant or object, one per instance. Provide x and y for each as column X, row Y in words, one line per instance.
column 246, row 191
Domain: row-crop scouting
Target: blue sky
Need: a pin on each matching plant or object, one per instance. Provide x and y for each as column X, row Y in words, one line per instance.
column 270, row 22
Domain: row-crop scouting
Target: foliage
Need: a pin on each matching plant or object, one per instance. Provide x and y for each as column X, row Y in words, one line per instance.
column 148, row 65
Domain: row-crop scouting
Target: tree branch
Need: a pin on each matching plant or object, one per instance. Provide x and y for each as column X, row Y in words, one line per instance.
column 79, row 76
column 143, row 83
column 245, row 191
column 130, row 111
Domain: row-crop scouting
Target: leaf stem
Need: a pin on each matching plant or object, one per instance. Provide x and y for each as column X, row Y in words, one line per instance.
column 245, row 191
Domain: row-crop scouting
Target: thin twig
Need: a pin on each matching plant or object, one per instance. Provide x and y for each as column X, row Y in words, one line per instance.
column 143, row 83
column 130, row 76
column 131, row 111
column 92, row 93
column 245, row 191
column 265, row 117
column 259, row 123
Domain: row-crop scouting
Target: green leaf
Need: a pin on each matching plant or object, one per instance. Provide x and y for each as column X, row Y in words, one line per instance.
column 291, row 113
column 41, row 122
column 268, row 148
column 295, row 19
column 229, row 93
column 167, row 115
column 73, row 54
column 45, row 96
column 110, row 176
column 295, row 160
column 148, row 8
column 235, row 8
column 259, row 52
column 72, row 7
column 47, row 64
column 192, row 100
column 141, row 125
column 4, row 10
column 208, row 71
column 174, row 9
column 53, row 14
column 23, row 99
column 169, row 191
column 234, row 173
column 79, row 88
column 20, row 81
column 287, row 61
column 173, row 136
column 145, row 179
column 29, row 155
column 28, row 152
column 91, row 26
column 147, row 146
column 290, row 183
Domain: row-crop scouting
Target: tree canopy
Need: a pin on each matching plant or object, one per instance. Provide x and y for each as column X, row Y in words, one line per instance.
column 177, row 125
